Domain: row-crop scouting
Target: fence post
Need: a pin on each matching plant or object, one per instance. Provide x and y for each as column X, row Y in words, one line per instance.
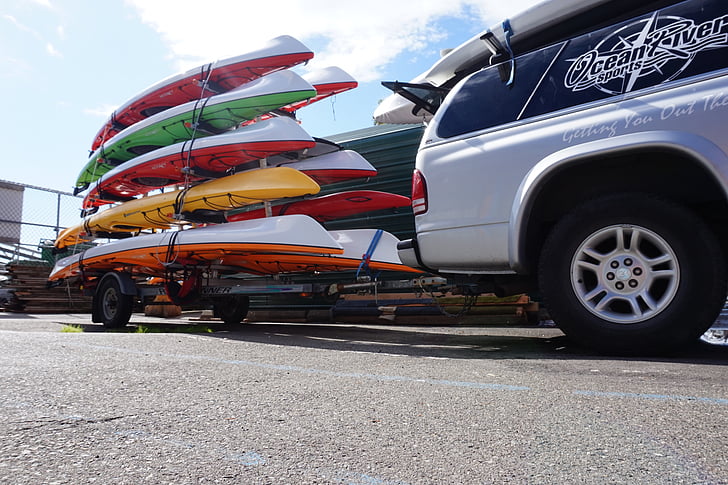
column 58, row 213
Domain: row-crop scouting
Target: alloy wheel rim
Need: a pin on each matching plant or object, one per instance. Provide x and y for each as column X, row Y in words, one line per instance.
column 625, row 274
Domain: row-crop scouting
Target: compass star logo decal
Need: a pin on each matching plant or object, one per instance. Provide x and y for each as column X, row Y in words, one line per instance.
column 649, row 51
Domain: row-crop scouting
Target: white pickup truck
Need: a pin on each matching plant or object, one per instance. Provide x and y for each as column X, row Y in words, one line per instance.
column 580, row 150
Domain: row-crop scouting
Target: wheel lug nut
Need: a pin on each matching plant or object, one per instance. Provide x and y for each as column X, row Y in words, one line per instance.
column 637, row 271
column 633, row 283
column 610, row 276
column 614, row 264
column 619, row 285
column 628, row 262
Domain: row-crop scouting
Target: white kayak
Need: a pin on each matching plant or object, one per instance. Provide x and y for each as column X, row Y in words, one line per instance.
column 275, row 245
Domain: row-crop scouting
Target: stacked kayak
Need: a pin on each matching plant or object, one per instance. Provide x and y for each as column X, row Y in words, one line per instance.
column 273, row 245
column 207, row 80
column 161, row 211
column 174, row 170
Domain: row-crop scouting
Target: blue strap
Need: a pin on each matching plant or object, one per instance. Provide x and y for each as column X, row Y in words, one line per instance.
column 508, row 32
column 366, row 257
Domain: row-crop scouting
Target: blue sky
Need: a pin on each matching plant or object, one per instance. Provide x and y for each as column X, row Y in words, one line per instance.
column 66, row 64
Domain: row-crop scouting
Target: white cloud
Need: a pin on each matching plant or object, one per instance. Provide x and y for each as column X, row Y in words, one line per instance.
column 20, row 26
column 361, row 37
column 50, row 49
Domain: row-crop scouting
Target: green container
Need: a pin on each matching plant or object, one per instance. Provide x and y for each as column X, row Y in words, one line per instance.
column 391, row 149
column 49, row 256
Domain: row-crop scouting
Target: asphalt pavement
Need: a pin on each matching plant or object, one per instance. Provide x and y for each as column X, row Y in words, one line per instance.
column 185, row 401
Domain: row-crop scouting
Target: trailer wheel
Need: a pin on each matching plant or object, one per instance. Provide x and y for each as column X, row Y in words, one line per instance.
column 630, row 273
column 231, row 309
column 113, row 306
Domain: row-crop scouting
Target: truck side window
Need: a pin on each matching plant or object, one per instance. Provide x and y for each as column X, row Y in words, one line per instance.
column 668, row 45
column 484, row 100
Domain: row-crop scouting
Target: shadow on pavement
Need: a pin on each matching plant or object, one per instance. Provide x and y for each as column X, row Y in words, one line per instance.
column 455, row 342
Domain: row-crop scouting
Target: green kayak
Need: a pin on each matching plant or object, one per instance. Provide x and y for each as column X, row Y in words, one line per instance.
column 196, row 119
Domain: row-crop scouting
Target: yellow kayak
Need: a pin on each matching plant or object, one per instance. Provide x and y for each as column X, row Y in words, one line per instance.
column 161, row 211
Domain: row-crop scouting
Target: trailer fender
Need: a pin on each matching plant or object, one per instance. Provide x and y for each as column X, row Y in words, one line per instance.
column 127, row 288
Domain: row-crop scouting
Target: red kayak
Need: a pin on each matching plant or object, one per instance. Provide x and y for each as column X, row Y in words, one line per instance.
column 213, row 78
column 327, row 82
column 196, row 160
column 333, row 206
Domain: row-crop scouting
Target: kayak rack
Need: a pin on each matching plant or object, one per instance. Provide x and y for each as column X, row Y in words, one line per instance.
column 232, row 286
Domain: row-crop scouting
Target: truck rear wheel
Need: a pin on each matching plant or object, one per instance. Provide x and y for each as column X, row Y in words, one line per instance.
column 630, row 273
column 232, row 309
column 114, row 308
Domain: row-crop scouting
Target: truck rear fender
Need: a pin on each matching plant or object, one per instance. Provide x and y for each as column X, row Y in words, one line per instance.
column 688, row 145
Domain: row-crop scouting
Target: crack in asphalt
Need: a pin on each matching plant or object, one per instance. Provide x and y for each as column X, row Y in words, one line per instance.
column 67, row 422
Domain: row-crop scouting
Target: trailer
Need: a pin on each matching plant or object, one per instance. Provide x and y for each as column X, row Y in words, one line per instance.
column 116, row 293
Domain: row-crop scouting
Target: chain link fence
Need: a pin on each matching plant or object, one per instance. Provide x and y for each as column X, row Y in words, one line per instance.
column 30, row 219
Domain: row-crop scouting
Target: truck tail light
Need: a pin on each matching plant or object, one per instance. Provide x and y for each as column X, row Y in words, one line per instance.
column 419, row 193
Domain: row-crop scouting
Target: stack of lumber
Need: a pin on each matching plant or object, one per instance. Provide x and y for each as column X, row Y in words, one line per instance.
column 29, row 281
column 445, row 309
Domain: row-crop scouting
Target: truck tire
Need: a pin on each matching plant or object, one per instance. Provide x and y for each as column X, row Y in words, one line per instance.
column 232, row 309
column 631, row 273
column 114, row 307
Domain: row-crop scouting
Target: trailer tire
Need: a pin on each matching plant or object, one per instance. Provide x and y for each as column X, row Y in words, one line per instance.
column 232, row 309
column 114, row 307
